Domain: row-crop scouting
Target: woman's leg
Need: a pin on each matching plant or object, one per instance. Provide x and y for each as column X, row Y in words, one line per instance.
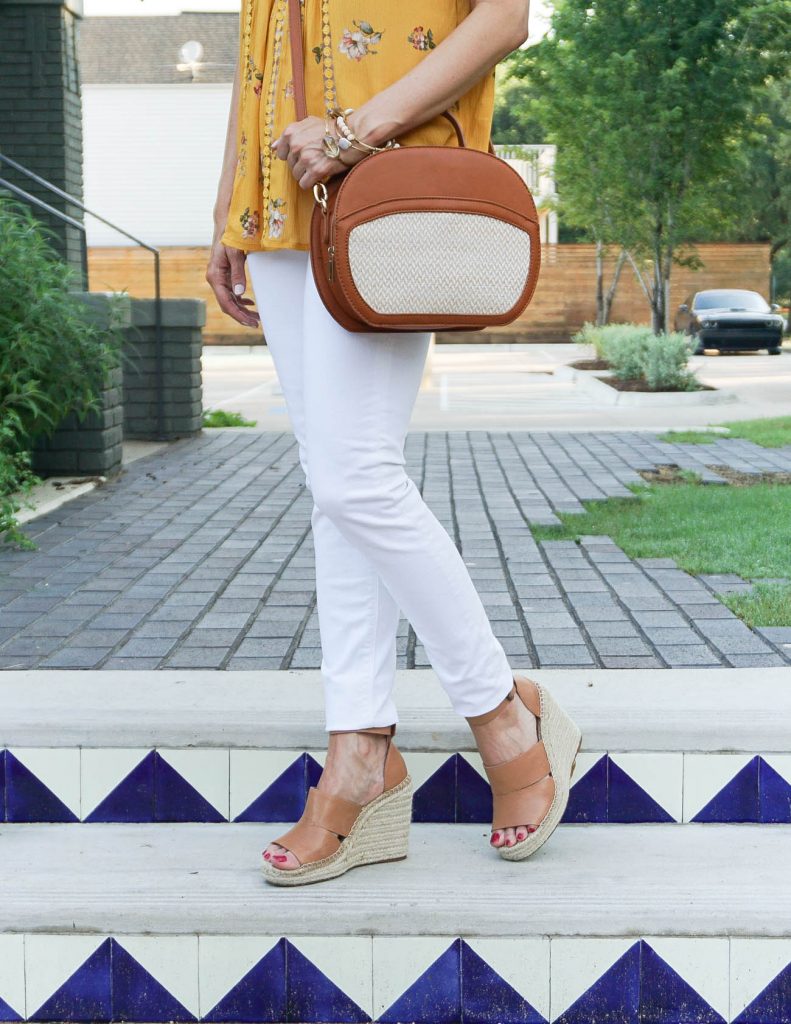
column 358, row 618
column 359, row 391
column 353, row 765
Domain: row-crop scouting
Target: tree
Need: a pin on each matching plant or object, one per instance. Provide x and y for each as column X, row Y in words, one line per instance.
column 647, row 101
column 515, row 121
column 763, row 189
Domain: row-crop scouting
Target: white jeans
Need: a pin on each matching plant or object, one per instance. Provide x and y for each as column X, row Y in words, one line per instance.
column 378, row 547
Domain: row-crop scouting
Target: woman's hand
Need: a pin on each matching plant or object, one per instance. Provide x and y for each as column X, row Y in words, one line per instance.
column 300, row 144
column 225, row 273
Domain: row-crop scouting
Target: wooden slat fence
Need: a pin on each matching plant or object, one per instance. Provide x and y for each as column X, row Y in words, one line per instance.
column 564, row 299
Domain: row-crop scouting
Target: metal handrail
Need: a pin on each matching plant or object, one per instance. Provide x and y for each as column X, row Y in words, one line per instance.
column 35, row 201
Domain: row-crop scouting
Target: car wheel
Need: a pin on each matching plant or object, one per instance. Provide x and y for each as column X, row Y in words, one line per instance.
column 699, row 350
column 776, row 351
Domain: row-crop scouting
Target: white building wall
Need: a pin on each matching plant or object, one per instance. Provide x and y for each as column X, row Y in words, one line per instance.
column 153, row 155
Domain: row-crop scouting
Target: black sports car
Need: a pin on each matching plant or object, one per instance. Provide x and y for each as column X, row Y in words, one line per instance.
column 731, row 318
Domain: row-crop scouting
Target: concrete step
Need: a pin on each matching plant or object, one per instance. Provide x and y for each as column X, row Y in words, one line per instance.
column 600, row 881
column 626, row 924
column 704, row 710
column 658, row 746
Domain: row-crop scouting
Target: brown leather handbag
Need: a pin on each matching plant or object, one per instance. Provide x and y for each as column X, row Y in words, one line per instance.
column 421, row 238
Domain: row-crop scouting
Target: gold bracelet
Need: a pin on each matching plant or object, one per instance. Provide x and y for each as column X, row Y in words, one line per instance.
column 347, row 136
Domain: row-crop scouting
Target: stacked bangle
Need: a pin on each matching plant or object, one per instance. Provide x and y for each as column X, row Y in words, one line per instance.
column 347, row 139
column 334, row 145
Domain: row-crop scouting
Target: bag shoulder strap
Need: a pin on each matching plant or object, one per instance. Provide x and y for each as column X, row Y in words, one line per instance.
column 298, row 71
column 297, row 57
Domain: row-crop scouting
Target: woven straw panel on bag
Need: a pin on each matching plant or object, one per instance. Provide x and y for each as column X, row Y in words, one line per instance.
column 425, row 262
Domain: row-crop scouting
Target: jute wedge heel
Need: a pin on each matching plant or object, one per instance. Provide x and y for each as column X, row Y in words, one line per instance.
column 334, row 835
column 554, row 756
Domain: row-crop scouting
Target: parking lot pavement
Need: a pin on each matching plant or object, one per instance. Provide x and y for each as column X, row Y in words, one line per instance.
column 200, row 556
column 513, row 387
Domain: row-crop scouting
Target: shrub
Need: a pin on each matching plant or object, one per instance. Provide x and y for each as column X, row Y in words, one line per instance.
column 634, row 352
column 54, row 352
column 624, row 348
column 665, row 363
column 590, row 334
column 16, row 480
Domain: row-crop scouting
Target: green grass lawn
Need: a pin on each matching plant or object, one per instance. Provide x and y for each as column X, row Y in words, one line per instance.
column 221, row 418
column 768, row 605
column 743, row 530
column 769, row 433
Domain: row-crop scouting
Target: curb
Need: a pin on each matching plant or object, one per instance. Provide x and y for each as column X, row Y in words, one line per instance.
column 590, row 382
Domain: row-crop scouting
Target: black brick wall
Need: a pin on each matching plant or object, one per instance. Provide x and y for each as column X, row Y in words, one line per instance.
column 88, row 447
column 40, row 108
column 130, row 400
column 182, row 396
column 92, row 446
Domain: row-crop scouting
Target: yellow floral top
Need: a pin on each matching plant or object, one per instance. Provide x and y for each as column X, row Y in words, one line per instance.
column 353, row 49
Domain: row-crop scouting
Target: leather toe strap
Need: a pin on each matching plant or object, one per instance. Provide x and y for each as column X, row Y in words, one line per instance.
column 315, row 835
column 522, row 788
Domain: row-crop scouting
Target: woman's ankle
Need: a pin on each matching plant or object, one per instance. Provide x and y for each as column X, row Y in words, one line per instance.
column 354, row 768
column 509, row 734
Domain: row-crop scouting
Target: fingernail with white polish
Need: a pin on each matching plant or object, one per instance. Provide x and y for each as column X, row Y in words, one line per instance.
column 238, row 289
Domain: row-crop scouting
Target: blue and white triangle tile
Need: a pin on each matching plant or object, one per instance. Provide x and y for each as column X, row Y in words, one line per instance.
column 645, row 787
column 271, row 785
column 68, row 977
column 588, row 795
column 595, row 980
column 117, row 784
column 12, row 977
column 191, row 784
column 774, row 789
column 505, row 980
column 155, row 978
column 329, row 978
column 42, row 784
column 417, row 979
column 760, row 981
column 721, row 788
column 242, row 978
column 434, row 786
column 684, row 980
column 314, row 766
column 473, row 792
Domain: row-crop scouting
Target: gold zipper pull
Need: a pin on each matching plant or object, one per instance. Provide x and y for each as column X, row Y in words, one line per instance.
column 331, row 251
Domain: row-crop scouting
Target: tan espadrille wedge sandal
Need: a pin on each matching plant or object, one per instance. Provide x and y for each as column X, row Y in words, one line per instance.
column 515, row 783
column 335, row 834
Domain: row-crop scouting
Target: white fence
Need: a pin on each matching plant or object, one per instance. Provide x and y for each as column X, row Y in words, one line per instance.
column 536, row 167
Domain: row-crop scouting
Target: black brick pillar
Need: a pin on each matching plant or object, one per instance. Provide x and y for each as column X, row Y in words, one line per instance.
column 41, row 110
column 175, row 380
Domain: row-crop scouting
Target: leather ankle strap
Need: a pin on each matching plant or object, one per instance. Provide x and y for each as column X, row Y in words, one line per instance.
column 487, row 716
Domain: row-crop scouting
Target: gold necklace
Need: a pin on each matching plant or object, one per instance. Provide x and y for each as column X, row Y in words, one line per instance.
column 269, row 101
column 328, row 68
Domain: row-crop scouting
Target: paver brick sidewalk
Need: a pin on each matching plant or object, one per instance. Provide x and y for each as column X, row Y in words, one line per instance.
column 200, row 556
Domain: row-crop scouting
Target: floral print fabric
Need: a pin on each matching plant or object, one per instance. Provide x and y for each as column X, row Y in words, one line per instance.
column 353, row 50
column 359, row 42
